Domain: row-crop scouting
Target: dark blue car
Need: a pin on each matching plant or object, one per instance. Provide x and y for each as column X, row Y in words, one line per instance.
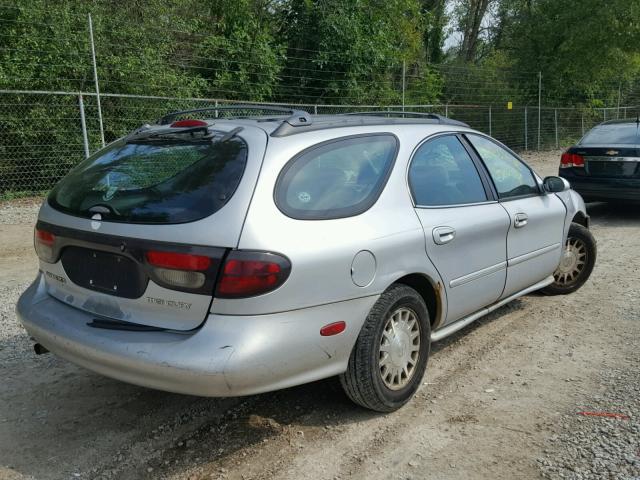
column 605, row 164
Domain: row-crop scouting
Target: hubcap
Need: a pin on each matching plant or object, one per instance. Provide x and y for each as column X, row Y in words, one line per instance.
column 399, row 348
column 573, row 260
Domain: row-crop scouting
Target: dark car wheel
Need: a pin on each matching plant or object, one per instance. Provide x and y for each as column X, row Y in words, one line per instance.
column 576, row 264
column 390, row 356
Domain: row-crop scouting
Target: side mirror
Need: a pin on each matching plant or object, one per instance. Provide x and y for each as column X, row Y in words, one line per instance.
column 555, row 184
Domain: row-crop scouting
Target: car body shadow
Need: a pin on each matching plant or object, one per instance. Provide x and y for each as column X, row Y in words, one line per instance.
column 614, row 214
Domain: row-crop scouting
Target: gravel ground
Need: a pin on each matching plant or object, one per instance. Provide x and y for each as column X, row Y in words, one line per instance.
column 600, row 447
column 19, row 212
column 501, row 399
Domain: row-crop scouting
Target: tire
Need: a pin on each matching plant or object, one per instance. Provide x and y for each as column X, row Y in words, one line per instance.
column 385, row 342
column 584, row 250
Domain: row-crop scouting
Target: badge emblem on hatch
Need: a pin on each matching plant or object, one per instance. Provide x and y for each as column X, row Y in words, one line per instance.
column 96, row 221
column 612, row 152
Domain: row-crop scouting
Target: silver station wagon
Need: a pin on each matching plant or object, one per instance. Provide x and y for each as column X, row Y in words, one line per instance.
column 246, row 253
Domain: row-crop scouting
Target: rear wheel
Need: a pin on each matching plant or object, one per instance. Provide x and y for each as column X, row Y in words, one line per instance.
column 576, row 264
column 390, row 355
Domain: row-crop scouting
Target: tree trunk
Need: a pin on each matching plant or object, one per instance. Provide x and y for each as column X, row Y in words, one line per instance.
column 477, row 9
column 433, row 37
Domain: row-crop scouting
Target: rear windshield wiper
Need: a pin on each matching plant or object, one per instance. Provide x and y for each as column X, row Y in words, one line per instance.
column 174, row 135
column 166, row 134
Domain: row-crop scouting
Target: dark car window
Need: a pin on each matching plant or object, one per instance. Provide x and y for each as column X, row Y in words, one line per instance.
column 336, row 179
column 511, row 176
column 161, row 181
column 442, row 173
column 615, row 133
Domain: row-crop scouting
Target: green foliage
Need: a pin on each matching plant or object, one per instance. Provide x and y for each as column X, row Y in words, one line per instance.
column 353, row 50
column 237, row 51
column 585, row 49
column 348, row 52
column 435, row 22
column 598, row 49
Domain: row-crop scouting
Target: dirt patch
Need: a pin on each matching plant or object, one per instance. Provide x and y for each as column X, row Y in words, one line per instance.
column 499, row 399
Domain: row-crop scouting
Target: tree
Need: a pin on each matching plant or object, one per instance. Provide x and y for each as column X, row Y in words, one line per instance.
column 435, row 21
column 352, row 51
column 471, row 15
column 237, row 49
column 584, row 48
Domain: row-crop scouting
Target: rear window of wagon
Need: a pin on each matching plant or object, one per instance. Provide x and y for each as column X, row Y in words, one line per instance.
column 336, row 179
column 164, row 181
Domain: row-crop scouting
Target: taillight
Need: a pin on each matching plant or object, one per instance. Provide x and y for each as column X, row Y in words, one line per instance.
column 44, row 243
column 182, row 270
column 569, row 160
column 247, row 274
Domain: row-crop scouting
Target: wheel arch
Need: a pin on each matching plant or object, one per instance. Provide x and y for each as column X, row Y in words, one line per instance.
column 581, row 218
column 432, row 293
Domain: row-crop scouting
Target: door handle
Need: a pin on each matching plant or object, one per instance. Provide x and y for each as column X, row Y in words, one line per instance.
column 442, row 235
column 520, row 220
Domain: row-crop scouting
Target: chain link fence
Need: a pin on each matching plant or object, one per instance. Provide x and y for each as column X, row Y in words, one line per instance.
column 44, row 134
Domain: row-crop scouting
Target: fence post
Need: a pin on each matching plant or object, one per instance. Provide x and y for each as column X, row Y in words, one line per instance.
column 604, row 114
column 582, row 122
column 490, row 134
column 403, row 80
column 83, row 124
column 446, row 110
column 95, row 80
column 555, row 121
column 315, row 109
column 215, row 112
column 539, row 105
column 526, row 146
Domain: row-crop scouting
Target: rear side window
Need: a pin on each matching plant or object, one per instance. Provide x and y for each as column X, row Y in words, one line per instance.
column 442, row 173
column 511, row 177
column 625, row 133
column 336, row 179
column 160, row 181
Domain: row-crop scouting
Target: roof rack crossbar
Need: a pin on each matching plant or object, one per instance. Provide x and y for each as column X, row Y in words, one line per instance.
column 395, row 113
column 296, row 116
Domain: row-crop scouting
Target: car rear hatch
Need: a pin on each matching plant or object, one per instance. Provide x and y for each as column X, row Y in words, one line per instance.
column 610, row 162
column 136, row 234
column 609, row 150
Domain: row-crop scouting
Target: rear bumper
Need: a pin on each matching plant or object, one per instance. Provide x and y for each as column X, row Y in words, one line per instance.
column 227, row 356
column 593, row 189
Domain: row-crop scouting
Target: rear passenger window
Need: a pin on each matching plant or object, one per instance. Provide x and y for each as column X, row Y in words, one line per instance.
column 442, row 173
column 336, row 179
column 511, row 177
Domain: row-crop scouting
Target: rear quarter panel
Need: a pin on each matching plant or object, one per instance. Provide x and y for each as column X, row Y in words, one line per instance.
column 322, row 251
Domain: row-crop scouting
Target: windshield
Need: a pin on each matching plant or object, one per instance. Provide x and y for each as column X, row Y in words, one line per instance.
column 160, row 181
column 620, row 133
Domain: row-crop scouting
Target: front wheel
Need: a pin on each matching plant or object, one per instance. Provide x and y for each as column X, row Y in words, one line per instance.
column 576, row 264
column 390, row 356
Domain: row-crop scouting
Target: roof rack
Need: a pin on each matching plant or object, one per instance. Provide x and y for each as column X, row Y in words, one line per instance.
column 296, row 117
column 402, row 114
